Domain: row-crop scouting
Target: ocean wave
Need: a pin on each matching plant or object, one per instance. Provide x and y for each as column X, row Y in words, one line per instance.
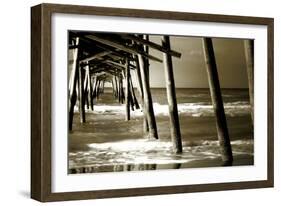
column 202, row 109
column 145, row 151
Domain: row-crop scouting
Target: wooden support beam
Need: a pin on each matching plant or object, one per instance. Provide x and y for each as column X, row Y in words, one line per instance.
column 85, row 84
column 127, row 97
column 146, row 65
column 113, row 88
column 152, row 45
column 119, row 56
column 133, row 95
column 118, row 64
column 249, row 53
column 147, row 99
column 73, row 82
column 103, row 65
column 118, row 45
column 138, row 76
column 95, row 88
column 110, row 71
column 140, row 90
column 112, row 65
column 96, row 56
column 93, row 83
column 171, row 96
column 73, row 46
column 131, row 102
column 122, row 91
column 223, row 136
column 98, row 89
column 116, row 85
column 119, row 89
column 121, row 95
column 85, row 88
column 81, row 96
column 90, row 99
column 146, row 50
column 89, row 43
column 101, row 86
column 103, row 82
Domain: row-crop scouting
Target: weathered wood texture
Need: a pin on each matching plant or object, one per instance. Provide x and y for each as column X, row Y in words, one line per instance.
column 146, row 65
column 116, row 86
column 81, row 95
column 73, row 82
column 37, row 182
column 140, row 89
column 90, row 92
column 249, row 53
column 127, row 98
column 215, row 90
column 171, row 96
column 147, row 100
column 133, row 95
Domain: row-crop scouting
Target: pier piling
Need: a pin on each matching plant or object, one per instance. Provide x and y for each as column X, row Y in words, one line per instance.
column 73, row 82
column 127, row 97
column 249, row 53
column 81, row 95
column 171, row 96
column 147, row 99
column 215, row 90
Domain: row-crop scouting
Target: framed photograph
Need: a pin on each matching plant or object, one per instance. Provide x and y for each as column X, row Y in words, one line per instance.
column 132, row 102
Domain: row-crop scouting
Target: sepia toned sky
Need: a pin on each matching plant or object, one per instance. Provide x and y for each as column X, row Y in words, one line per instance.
column 190, row 70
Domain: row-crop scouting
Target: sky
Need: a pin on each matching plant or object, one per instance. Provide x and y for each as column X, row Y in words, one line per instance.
column 190, row 70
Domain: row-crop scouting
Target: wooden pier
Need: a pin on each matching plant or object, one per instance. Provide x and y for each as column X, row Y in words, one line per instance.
column 116, row 58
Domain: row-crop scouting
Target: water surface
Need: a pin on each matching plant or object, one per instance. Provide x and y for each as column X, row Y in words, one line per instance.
column 106, row 142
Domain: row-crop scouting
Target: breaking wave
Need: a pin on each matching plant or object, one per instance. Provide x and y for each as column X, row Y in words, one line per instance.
column 145, row 151
column 238, row 108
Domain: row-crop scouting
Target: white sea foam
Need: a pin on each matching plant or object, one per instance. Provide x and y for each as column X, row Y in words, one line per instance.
column 238, row 108
column 144, row 151
column 129, row 145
